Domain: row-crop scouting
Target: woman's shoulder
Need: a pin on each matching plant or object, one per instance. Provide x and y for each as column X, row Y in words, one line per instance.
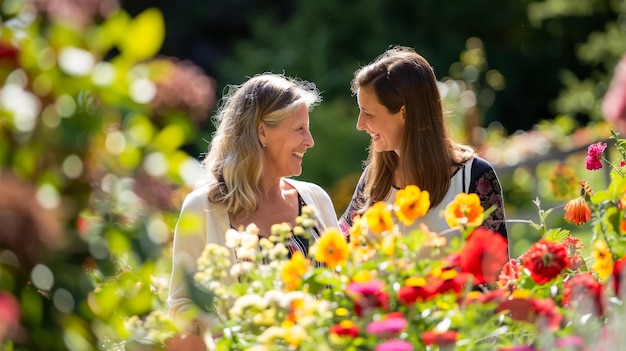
column 302, row 185
column 197, row 198
column 480, row 164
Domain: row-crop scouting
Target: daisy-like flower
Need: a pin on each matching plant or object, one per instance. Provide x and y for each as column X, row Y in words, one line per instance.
column 332, row 248
column 577, row 211
column 378, row 218
column 411, row 203
column 593, row 161
column 465, row 211
column 545, row 260
column 415, row 288
column 603, row 264
column 294, row 269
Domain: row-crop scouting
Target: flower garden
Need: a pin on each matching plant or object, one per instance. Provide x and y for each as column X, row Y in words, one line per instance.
column 93, row 172
column 379, row 291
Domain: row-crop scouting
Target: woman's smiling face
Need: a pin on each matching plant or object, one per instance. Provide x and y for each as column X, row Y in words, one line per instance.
column 286, row 143
column 384, row 128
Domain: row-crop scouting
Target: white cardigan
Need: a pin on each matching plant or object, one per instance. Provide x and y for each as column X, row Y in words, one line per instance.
column 211, row 224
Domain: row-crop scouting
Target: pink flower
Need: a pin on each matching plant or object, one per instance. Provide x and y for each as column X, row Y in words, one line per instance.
column 9, row 315
column 614, row 103
column 394, row 345
column 594, row 156
column 388, row 327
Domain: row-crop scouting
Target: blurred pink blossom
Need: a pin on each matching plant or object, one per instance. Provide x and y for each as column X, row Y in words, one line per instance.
column 614, row 104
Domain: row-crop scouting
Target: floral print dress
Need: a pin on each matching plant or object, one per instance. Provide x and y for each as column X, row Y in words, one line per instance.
column 475, row 176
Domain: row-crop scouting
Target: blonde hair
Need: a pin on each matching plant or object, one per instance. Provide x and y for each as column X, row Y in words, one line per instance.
column 401, row 77
column 234, row 162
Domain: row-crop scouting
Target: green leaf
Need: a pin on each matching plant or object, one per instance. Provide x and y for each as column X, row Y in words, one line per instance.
column 144, row 36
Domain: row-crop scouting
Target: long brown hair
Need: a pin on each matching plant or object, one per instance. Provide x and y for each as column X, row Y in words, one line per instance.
column 401, row 77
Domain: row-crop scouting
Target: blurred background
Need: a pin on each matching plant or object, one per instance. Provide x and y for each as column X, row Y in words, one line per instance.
column 105, row 111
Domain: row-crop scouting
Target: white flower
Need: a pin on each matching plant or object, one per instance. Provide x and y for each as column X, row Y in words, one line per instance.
column 233, row 238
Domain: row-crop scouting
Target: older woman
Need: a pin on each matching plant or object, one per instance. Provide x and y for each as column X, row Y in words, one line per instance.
column 261, row 138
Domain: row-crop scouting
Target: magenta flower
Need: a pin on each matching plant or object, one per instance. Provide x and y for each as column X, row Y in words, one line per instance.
column 394, row 345
column 594, row 156
column 387, row 328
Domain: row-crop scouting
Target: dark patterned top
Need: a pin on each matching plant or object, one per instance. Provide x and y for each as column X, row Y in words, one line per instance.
column 482, row 180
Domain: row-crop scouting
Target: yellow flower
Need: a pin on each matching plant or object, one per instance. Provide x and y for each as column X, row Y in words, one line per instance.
column 358, row 230
column 332, row 248
column 603, row 264
column 294, row 269
column 388, row 244
column 378, row 218
column 411, row 203
column 465, row 211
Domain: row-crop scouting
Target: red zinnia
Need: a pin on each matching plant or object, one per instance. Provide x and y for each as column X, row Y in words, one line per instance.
column 484, row 262
column 345, row 328
column 441, row 339
column 545, row 260
column 408, row 295
column 619, row 273
column 584, row 293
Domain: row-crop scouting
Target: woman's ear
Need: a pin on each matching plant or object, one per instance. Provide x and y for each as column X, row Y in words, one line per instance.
column 261, row 134
column 403, row 111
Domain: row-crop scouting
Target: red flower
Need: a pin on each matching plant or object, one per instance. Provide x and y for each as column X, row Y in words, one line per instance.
column 545, row 260
column 449, row 281
column 408, row 295
column 532, row 310
column 510, row 273
column 484, row 262
column 441, row 339
column 368, row 296
column 584, row 293
column 345, row 328
column 619, row 273
column 9, row 316
column 577, row 211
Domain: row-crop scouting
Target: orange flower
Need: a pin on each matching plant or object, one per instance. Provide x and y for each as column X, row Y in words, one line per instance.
column 294, row 269
column 378, row 218
column 411, row 204
column 465, row 211
column 332, row 248
column 577, row 211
